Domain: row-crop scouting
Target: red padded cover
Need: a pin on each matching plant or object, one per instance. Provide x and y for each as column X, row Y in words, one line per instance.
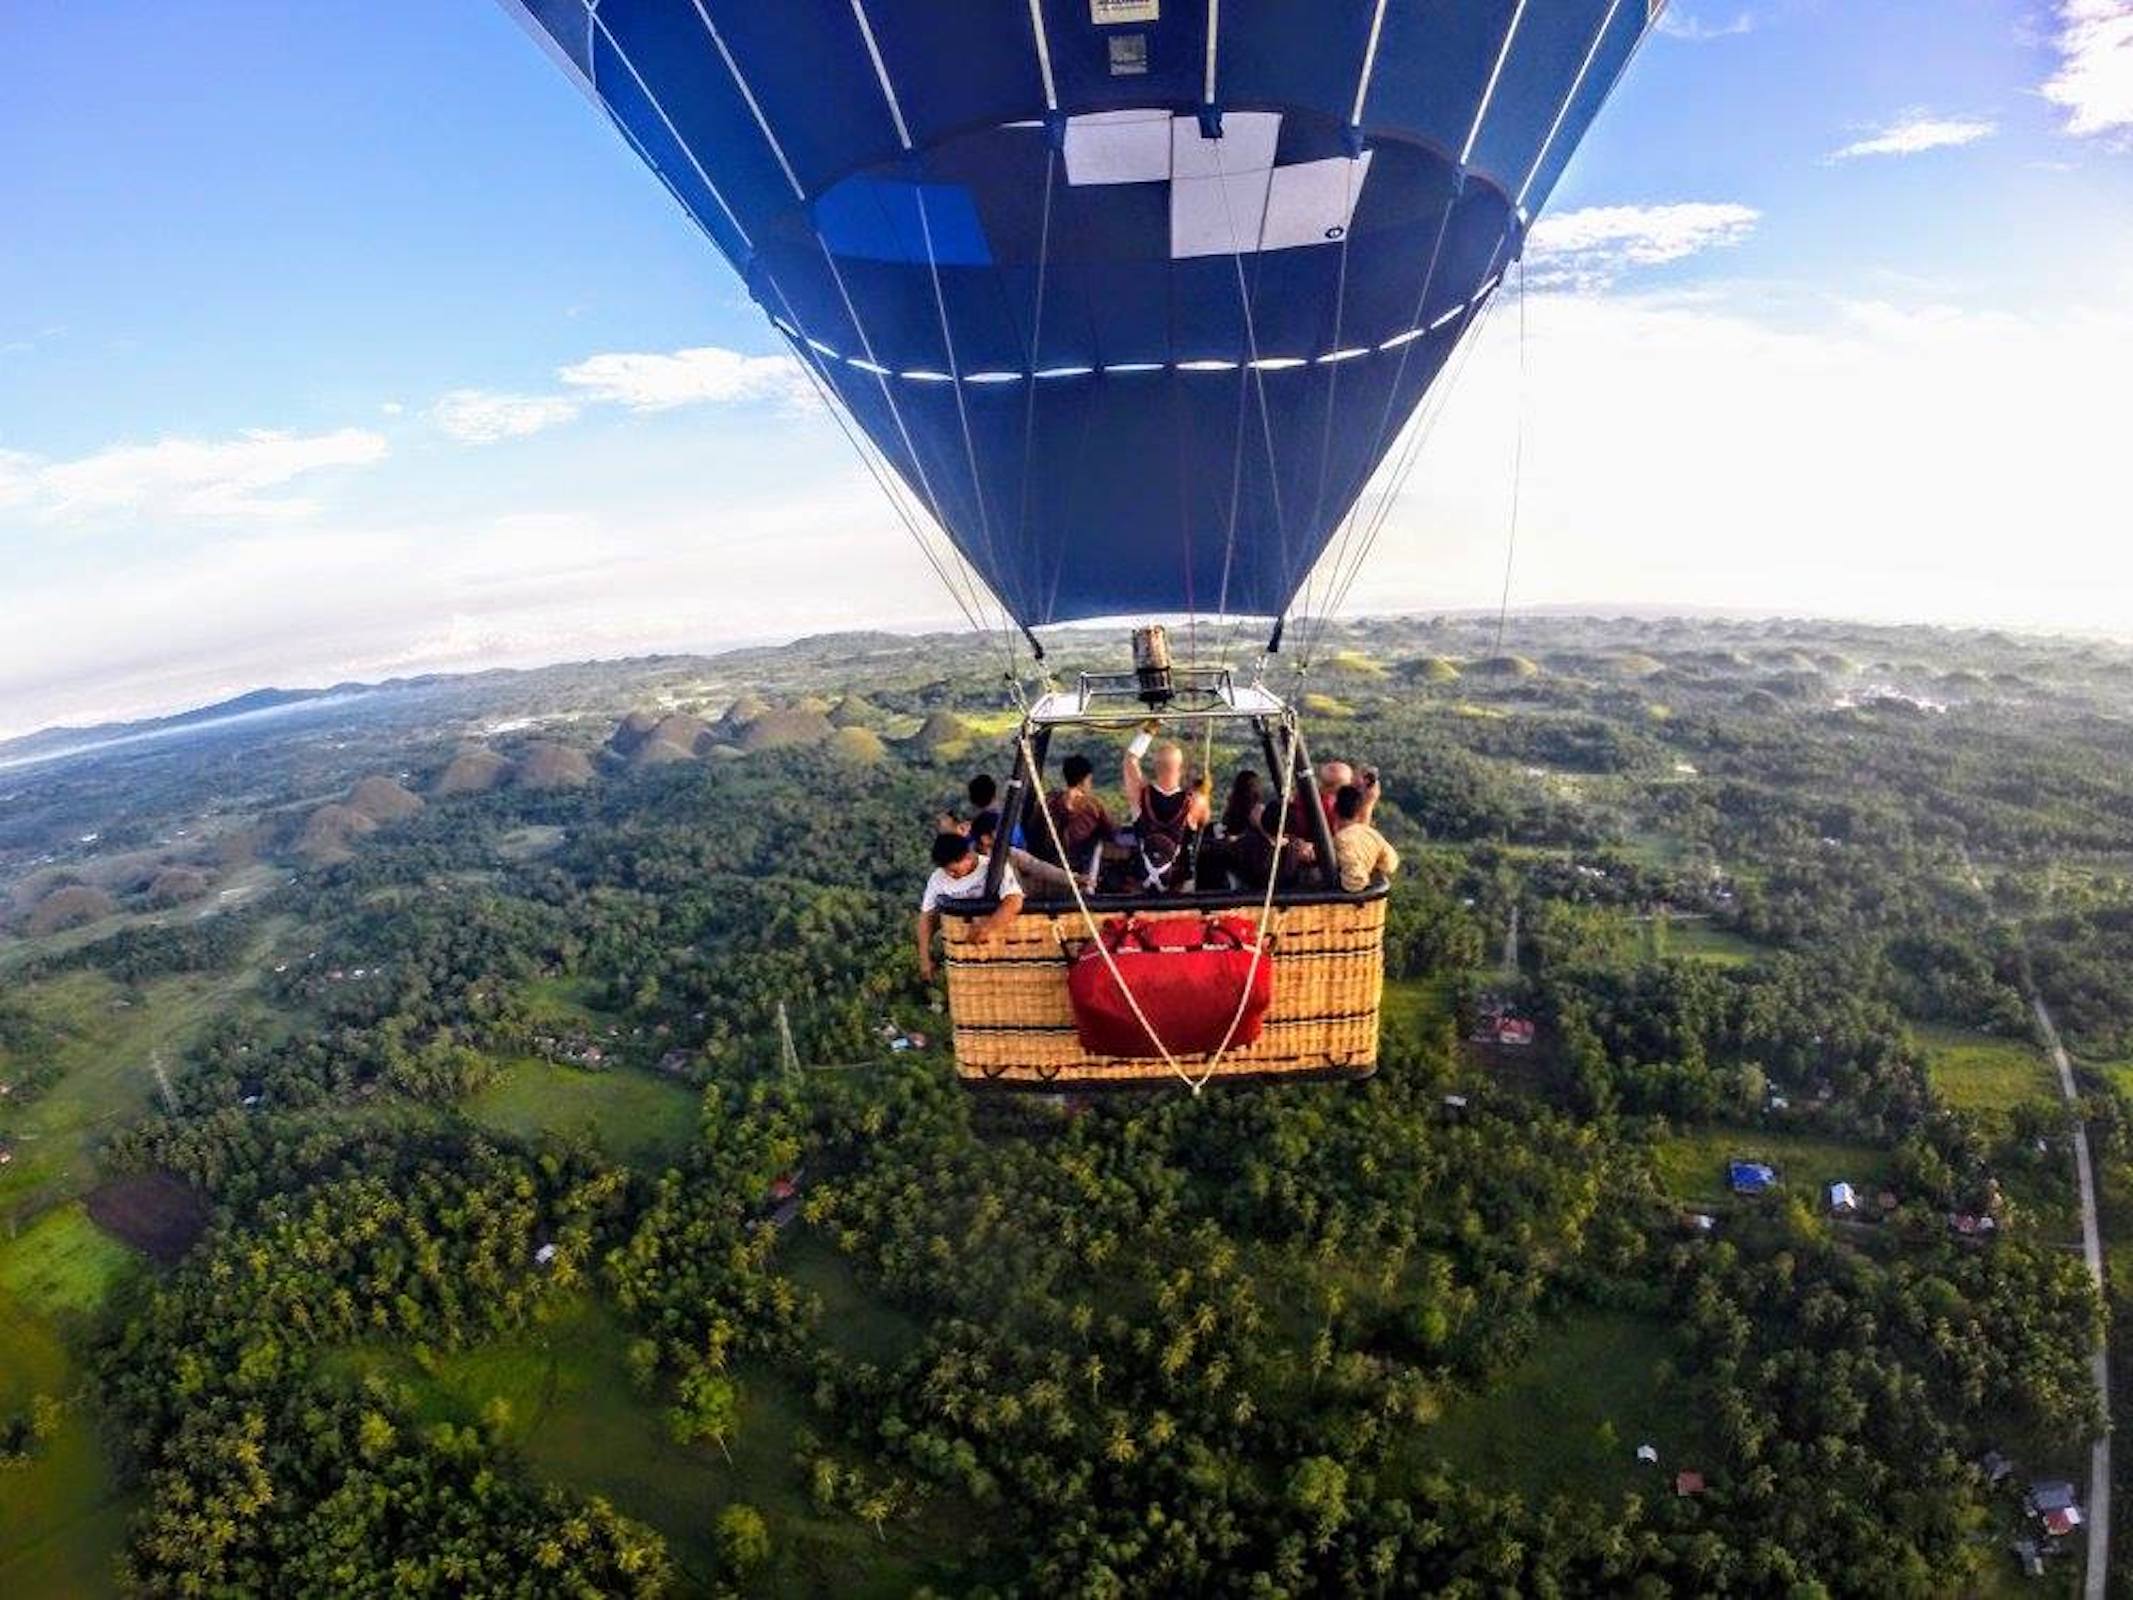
column 1186, row 974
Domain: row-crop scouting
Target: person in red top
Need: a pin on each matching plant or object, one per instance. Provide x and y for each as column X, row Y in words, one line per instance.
column 1333, row 776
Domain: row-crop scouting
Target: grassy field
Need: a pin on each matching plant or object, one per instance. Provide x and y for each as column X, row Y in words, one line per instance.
column 580, row 1423
column 1692, row 1165
column 1568, row 1419
column 1418, row 1002
column 562, row 1001
column 63, row 1263
column 1698, row 941
column 109, row 1037
column 855, row 1322
column 1977, row 1072
column 628, row 1115
column 62, row 1518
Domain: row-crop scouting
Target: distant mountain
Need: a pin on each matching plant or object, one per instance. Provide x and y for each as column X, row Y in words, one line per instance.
column 66, row 740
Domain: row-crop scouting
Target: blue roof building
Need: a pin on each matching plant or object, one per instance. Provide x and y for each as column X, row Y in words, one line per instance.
column 1750, row 1177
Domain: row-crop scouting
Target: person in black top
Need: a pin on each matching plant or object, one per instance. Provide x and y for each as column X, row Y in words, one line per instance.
column 1167, row 815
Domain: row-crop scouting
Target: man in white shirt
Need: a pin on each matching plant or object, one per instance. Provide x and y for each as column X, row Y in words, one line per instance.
column 959, row 874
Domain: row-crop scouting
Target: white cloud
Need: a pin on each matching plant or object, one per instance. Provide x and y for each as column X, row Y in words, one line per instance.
column 479, row 416
column 1590, row 248
column 2094, row 82
column 1899, row 460
column 1915, row 132
column 18, row 478
column 197, row 477
column 1678, row 24
column 645, row 381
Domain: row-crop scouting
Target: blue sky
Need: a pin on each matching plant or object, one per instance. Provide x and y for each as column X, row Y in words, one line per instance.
column 344, row 339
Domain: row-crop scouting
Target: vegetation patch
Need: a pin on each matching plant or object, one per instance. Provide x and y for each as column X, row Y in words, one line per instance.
column 63, row 1262
column 856, row 1322
column 626, row 1114
column 62, row 1518
column 1699, row 941
column 157, row 1213
column 1569, row 1418
column 1977, row 1072
column 1692, row 1165
column 563, row 1396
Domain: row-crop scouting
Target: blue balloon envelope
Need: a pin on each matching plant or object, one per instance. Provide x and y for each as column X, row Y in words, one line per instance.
column 1132, row 295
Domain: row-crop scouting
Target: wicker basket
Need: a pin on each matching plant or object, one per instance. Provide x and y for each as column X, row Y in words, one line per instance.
column 1014, row 1027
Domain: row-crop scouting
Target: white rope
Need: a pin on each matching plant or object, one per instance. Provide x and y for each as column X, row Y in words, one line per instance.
column 1266, row 914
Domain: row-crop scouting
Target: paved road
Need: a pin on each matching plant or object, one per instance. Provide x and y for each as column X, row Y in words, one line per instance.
column 2099, row 1556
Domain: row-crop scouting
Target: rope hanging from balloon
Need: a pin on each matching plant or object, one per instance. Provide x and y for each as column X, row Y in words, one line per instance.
column 1518, row 462
column 1259, row 941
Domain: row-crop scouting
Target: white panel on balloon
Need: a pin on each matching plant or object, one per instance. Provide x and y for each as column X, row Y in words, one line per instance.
column 1118, row 147
column 1313, row 202
column 1217, row 216
column 1247, row 145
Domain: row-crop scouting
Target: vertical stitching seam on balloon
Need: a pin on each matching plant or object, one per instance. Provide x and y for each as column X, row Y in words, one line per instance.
column 762, row 121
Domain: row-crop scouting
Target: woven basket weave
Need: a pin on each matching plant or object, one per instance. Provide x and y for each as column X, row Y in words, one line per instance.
column 1014, row 1026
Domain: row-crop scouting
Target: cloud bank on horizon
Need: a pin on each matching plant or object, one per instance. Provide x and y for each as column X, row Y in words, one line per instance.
column 1732, row 394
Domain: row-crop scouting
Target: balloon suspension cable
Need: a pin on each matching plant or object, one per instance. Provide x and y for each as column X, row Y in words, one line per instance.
column 1259, row 942
column 1518, row 462
column 1421, row 427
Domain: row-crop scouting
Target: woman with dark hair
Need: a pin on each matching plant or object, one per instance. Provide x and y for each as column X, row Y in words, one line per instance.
column 1254, row 859
column 1222, row 864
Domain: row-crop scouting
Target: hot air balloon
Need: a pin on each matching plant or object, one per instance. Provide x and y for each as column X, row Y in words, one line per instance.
column 1129, row 299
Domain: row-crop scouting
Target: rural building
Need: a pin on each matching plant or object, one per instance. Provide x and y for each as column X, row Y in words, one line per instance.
column 1843, row 1200
column 543, row 1256
column 2061, row 1523
column 2053, row 1494
column 1750, row 1177
column 1688, row 1484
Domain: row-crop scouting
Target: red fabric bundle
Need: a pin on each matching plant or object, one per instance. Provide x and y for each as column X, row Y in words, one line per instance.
column 1186, row 973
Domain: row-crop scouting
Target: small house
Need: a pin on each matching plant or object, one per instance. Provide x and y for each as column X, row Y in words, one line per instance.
column 1750, row 1177
column 2052, row 1494
column 1843, row 1200
column 1516, row 1032
column 1687, row 1484
column 1648, row 1454
column 544, row 1256
column 1699, row 1222
column 2062, row 1522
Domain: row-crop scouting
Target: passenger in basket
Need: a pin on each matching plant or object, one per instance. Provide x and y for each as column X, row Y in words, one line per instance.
column 1038, row 873
column 1359, row 850
column 1255, row 853
column 984, row 795
column 959, row 874
column 1222, row 862
column 1084, row 826
column 1167, row 816
column 1332, row 775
